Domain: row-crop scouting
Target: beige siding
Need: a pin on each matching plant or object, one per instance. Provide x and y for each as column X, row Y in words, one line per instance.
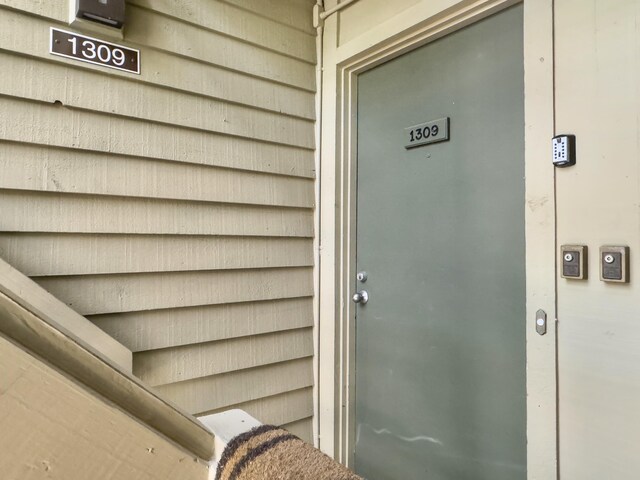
column 293, row 13
column 205, row 79
column 44, row 254
column 279, row 409
column 28, row 167
column 219, row 391
column 173, row 208
column 64, row 127
column 66, row 213
column 202, row 360
column 302, row 428
column 50, row 83
column 258, row 30
column 188, row 326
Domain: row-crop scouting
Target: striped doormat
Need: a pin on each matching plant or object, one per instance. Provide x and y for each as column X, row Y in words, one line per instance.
column 271, row 453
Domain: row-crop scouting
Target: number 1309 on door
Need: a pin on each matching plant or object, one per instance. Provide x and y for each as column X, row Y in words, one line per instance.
column 425, row 133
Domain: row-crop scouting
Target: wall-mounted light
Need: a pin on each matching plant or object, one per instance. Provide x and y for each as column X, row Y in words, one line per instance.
column 105, row 12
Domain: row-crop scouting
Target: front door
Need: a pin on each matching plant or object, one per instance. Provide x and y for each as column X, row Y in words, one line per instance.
column 440, row 344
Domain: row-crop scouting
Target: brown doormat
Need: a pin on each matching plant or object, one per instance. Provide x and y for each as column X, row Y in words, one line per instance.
column 271, row 453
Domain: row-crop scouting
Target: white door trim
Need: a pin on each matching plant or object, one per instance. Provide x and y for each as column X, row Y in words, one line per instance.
column 423, row 23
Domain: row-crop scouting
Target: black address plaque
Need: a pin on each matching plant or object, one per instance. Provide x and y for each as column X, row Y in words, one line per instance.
column 92, row 50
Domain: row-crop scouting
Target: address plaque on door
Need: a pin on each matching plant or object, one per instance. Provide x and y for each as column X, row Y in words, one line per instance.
column 426, row 133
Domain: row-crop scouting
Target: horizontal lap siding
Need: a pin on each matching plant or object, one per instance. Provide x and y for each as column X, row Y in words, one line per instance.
column 174, row 209
column 278, row 409
column 97, row 214
column 220, row 391
column 203, row 79
column 301, row 428
column 49, row 83
column 58, row 126
column 205, row 359
column 98, row 294
column 192, row 325
column 255, row 29
column 46, row 254
column 67, row 170
column 293, row 13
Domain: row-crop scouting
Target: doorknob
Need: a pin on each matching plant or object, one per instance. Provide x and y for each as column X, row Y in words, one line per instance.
column 361, row 297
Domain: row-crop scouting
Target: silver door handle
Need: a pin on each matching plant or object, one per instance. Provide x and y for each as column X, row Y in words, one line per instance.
column 361, row 297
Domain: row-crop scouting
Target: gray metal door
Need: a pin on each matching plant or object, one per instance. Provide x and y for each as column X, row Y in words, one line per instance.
column 440, row 344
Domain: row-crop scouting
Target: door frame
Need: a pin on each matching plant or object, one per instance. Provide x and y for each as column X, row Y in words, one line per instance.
column 425, row 22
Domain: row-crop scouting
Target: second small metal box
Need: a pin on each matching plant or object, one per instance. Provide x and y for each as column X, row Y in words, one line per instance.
column 574, row 262
column 614, row 264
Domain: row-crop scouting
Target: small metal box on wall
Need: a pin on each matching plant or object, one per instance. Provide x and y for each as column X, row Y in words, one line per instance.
column 106, row 12
column 614, row 264
column 574, row 262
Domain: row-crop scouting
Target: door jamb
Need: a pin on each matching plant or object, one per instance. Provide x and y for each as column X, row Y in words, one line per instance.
column 337, row 315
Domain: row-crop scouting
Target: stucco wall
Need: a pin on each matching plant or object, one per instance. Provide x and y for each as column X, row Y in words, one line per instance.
column 174, row 208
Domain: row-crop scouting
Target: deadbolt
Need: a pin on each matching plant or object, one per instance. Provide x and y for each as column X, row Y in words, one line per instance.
column 361, row 297
column 362, row 276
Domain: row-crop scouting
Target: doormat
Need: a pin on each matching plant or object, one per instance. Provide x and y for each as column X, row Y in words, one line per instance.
column 269, row 452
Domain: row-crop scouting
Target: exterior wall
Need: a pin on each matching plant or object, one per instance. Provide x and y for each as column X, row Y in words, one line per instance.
column 598, row 100
column 591, row 51
column 174, row 209
column 58, row 429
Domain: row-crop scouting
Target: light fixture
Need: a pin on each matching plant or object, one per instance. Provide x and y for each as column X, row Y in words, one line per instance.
column 109, row 13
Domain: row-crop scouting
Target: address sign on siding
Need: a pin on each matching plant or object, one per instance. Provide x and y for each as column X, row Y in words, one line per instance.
column 92, row 50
